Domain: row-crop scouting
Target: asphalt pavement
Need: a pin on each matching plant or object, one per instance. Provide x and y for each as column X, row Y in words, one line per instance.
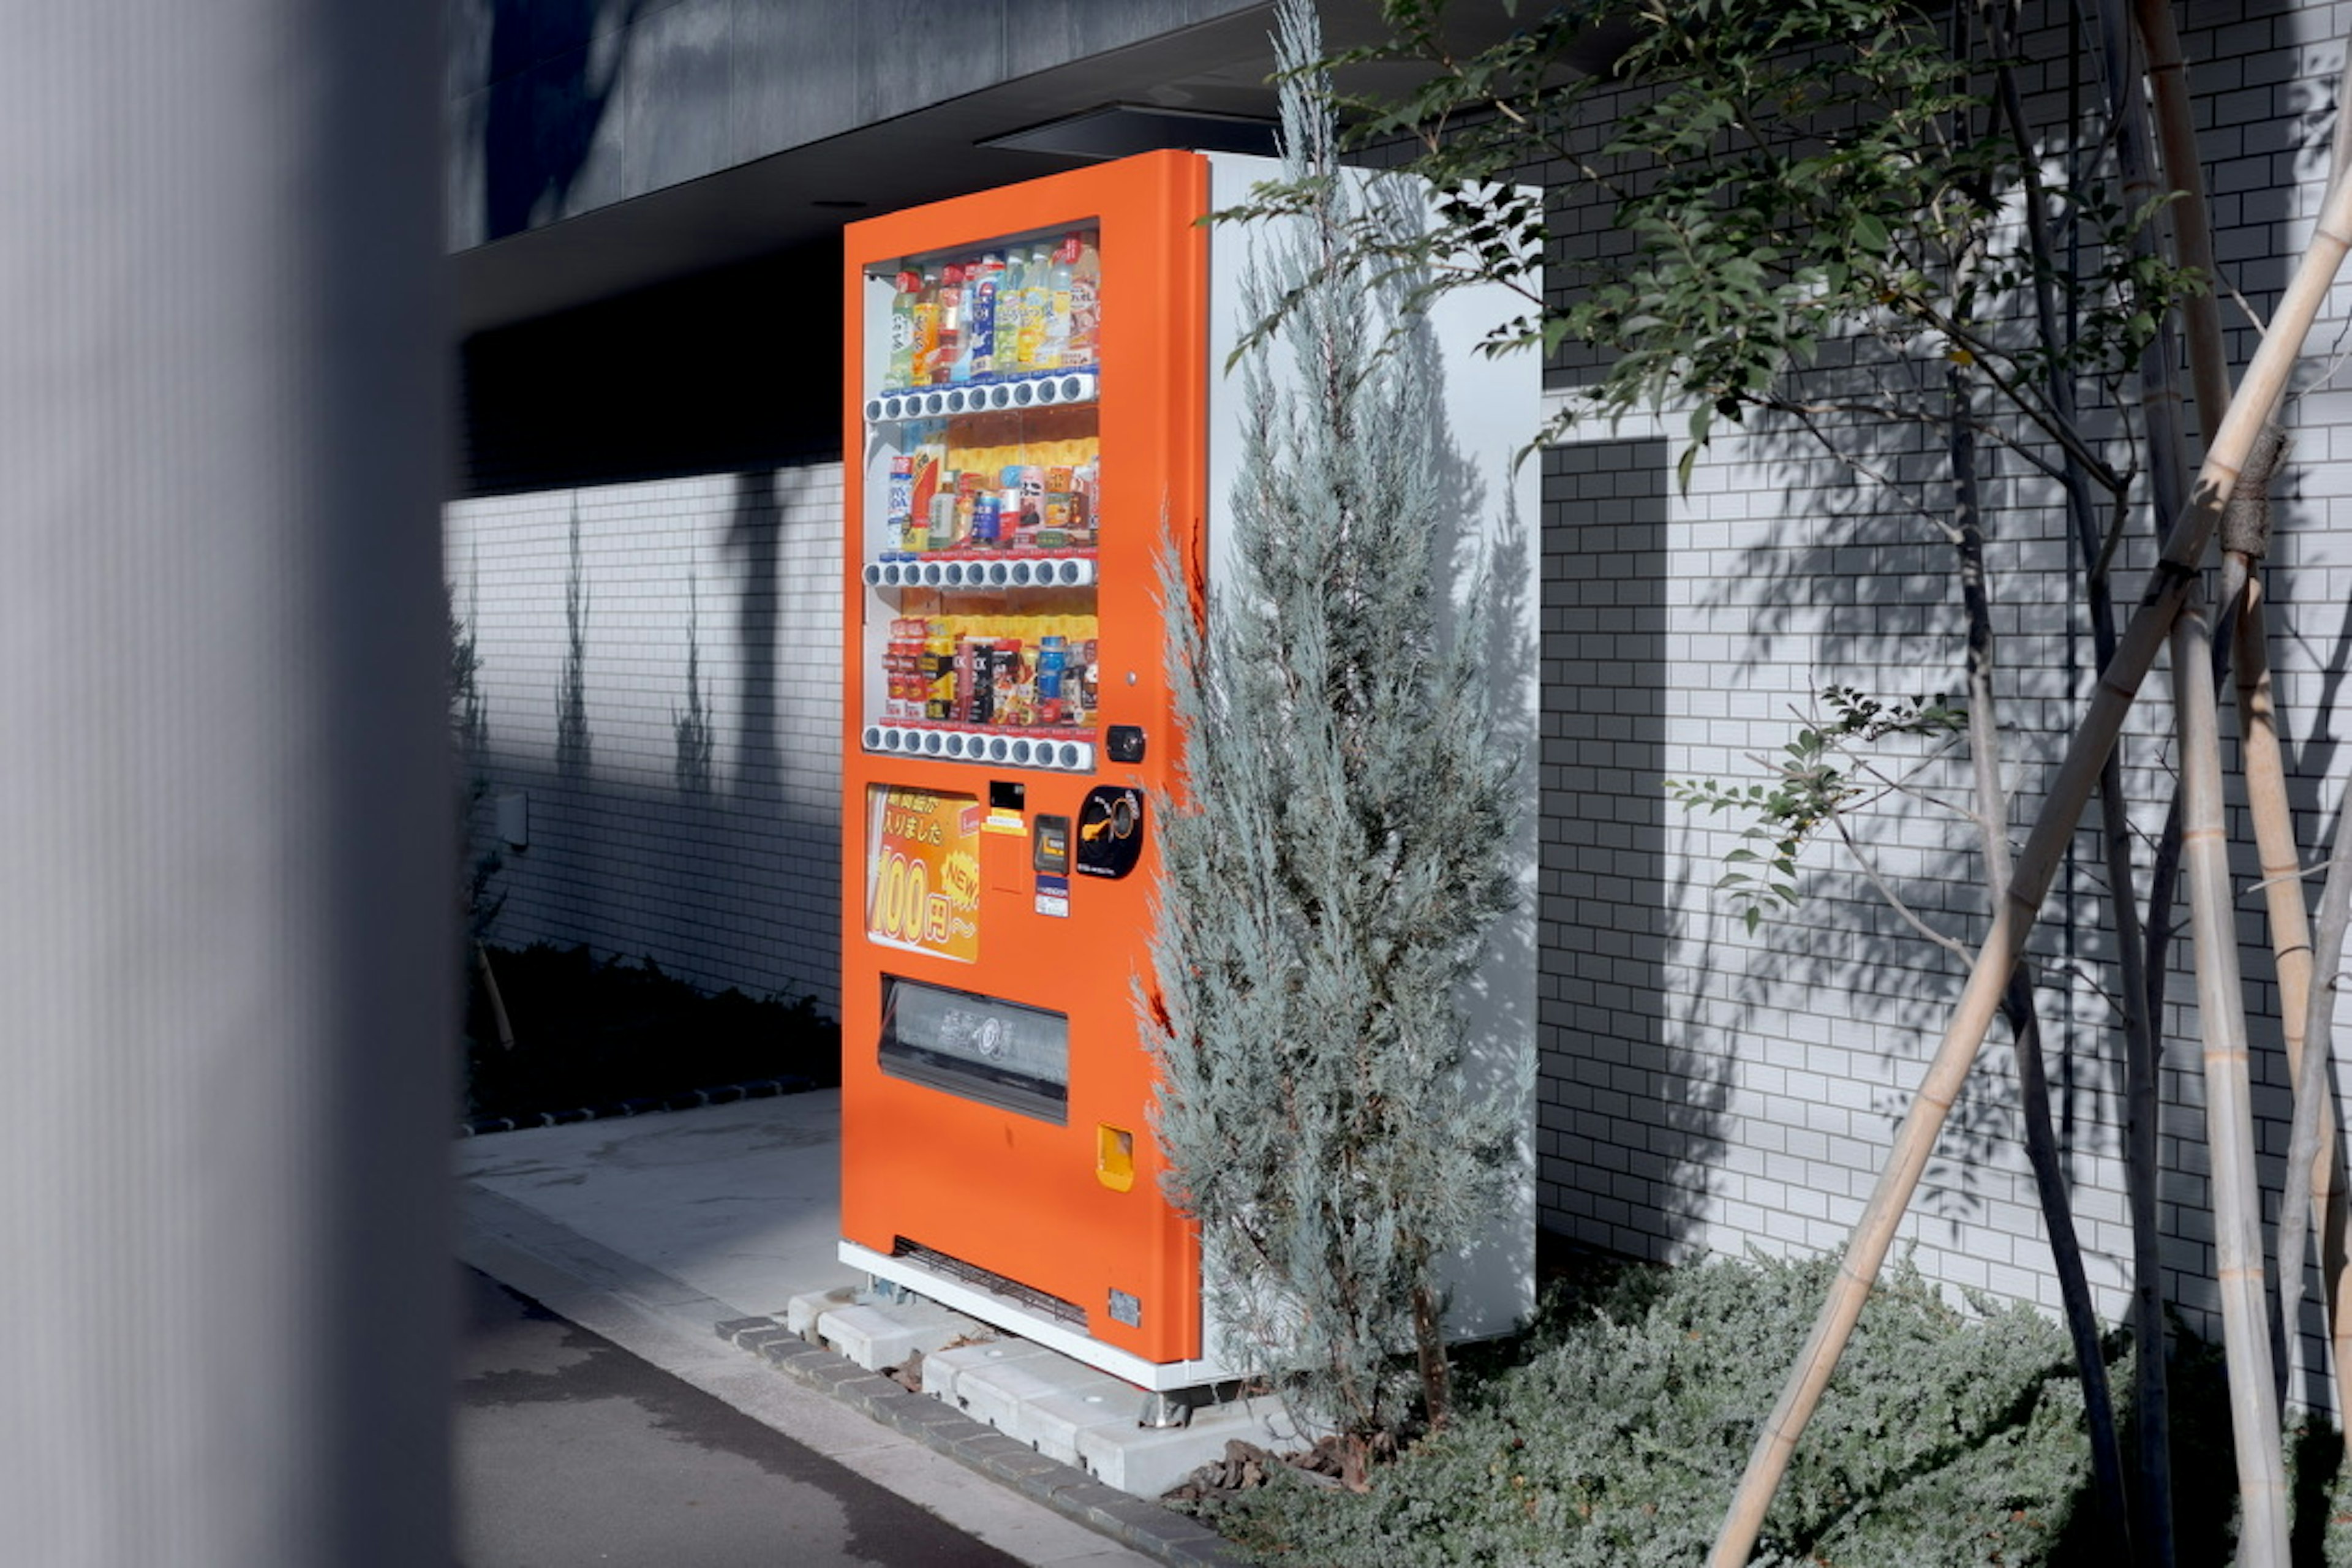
column 570, row 1451
column 642, row 1236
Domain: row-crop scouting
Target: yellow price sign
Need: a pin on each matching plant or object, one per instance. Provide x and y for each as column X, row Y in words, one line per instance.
column 922, row 871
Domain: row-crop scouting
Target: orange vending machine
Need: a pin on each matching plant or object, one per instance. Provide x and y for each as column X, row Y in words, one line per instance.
column 1031, row 376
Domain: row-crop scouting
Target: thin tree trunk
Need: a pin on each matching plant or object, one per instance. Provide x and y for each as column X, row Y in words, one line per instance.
column 2024, row 1022
column 2192, row 229
column 2151, row 1531
column 2236, row 1185
column 2119, row 683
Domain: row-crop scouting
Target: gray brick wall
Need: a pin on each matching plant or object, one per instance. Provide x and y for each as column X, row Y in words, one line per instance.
column 735, row 885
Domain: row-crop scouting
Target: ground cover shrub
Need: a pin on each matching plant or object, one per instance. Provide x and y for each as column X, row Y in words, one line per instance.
column 590, row 1034
column 1950, row 1436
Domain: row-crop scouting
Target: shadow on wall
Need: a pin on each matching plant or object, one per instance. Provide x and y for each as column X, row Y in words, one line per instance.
column 1630, row 1121
column 554, row 67
column 725, row 872
column 753, row 549
column 1869, row 590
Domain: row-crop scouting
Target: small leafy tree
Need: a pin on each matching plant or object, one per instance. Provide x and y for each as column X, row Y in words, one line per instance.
column 1337, row 852
column 1843, row 224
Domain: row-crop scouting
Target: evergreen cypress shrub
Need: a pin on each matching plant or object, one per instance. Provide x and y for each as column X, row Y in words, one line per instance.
column 1337, row 852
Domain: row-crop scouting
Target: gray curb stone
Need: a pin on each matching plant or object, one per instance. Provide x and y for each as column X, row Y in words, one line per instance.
column 1132, row 1521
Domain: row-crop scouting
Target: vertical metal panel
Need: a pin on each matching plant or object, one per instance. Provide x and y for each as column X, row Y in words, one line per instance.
column 226, row 877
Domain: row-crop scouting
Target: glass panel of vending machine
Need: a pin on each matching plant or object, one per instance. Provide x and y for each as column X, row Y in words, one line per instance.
column 983, row 502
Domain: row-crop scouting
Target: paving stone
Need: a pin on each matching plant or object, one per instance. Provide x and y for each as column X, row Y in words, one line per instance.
column 802, row 1311
column 1145, row 1462
column 879, row 1336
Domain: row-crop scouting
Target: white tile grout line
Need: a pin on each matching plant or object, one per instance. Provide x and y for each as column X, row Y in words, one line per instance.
column 662, row 1321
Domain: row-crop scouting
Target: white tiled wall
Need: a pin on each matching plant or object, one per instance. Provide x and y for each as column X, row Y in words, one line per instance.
column 733, row 885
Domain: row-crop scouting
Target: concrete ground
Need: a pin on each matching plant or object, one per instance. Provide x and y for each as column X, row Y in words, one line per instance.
column 570, row 1450
column 651, row 1230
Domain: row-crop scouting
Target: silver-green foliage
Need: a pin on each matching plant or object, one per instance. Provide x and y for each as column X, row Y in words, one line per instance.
column 1948, row 1438
column 1338, row 847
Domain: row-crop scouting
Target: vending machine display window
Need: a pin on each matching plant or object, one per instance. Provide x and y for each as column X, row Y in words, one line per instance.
column 999, row 1053
column 984, row 507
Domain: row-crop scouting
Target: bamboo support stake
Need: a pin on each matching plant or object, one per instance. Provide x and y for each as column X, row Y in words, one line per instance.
column 2118, row 685
column 2262, row 763
column 2236, row 1187
column 2290, row 923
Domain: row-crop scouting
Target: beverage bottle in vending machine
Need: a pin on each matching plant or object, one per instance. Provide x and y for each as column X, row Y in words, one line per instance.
column 1037, row 304
column 1081, row 684
column 1003, row 671
column 900, row 514
column 951, row 338
column 1053, row 660
column 907, row 292
column 1053, row 341
column 1084, row 346
column 926, row 331
column 981, row 281
column 937, row 670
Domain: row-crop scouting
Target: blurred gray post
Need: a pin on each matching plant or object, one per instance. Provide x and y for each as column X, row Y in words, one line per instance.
column 226, row 887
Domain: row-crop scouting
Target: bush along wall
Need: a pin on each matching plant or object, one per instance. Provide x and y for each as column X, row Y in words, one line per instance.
column 1950, row 1436
column 593, row 1037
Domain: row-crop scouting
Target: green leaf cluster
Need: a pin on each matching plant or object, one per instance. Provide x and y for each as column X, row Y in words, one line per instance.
column 1790, row 172
column 1813, row 779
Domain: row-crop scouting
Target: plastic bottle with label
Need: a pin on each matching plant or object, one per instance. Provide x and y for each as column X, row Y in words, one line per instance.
column 982, row 281
column 951, row 328
column 1084, row 347
column 1037, row 304
column 927, row 331
column 1053, row 339
column 905, row 293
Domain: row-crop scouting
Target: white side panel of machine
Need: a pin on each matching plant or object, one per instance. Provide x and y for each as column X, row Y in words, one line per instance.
column 1491, row 409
